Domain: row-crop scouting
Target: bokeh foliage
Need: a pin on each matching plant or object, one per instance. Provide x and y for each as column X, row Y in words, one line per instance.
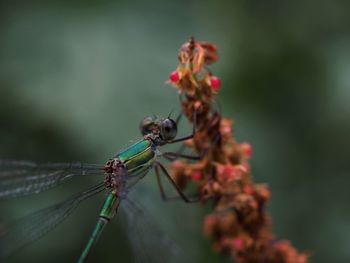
column 76, row 78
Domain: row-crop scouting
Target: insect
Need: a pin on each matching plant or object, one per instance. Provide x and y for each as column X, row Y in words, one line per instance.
column 121, row 173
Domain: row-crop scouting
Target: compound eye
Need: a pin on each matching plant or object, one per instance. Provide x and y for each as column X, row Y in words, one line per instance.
column 147, row 125
column 168, row 129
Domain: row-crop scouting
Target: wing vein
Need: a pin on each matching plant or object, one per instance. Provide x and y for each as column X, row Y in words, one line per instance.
column 34, row 226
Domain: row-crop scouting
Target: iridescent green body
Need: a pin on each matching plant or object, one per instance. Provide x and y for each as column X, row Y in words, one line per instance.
column 140, row 154
column 19, row 178
column 108, row 210
column 137, row 158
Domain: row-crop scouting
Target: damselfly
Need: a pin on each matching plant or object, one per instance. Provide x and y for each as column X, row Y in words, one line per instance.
column 129, row 166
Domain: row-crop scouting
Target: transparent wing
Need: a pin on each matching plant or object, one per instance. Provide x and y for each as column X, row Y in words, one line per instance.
column 133, row 178
column 149, row 243
column 34, row 226
column 19, row 178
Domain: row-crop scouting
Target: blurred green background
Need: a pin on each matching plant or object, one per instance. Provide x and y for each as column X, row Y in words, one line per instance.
column 76, row 79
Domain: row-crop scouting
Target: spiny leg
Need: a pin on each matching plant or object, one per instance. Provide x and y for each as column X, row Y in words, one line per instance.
column 160, row 185
column 171, row 156
column 174, row 155
column 177, row 188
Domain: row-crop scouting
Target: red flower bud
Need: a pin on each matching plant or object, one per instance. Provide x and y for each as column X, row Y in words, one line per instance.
column 174, row 77
column 196, row 176
column 247, row 149
column 215, row 83
column 238, row 244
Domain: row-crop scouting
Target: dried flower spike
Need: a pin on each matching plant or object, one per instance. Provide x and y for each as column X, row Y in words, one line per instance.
column 238, row 226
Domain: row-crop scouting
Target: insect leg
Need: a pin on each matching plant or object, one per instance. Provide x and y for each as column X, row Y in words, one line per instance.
column 177, row 188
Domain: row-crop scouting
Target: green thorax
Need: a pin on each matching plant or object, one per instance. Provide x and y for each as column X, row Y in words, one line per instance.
column 142, row 153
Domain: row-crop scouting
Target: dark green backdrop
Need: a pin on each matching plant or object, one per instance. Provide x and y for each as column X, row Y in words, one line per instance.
column 76, row 78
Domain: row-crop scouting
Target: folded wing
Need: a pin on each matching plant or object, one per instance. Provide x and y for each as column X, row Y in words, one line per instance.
column 19, row 178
